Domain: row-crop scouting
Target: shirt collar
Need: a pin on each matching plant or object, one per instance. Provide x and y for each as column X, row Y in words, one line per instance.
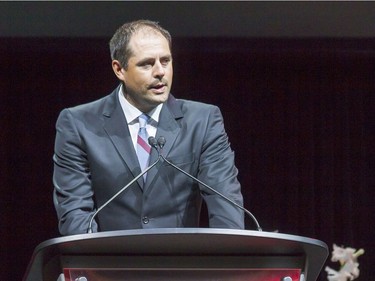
column 132, row 113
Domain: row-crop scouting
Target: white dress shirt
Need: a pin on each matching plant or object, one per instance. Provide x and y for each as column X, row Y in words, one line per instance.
column 132, row 113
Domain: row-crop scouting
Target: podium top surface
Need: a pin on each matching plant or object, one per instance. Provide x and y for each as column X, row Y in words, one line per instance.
column 184, row 241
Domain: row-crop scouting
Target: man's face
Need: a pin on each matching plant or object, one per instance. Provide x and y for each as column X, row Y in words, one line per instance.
column 148, row 77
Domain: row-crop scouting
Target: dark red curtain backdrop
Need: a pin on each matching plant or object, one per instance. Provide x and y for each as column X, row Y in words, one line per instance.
column 299, row 114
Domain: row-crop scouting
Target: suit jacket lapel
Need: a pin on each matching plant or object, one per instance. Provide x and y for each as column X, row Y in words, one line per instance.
column 169, row 128
column 115, row 125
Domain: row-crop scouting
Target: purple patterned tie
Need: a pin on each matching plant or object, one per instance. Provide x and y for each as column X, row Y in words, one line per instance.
column 143, row 148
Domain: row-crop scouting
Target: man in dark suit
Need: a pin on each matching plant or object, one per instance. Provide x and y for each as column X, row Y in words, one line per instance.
column 96, row 148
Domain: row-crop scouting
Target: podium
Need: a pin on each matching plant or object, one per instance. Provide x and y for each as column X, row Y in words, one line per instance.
column 181, row 254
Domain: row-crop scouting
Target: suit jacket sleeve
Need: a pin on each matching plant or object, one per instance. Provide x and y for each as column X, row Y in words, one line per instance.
column 217, row 168
column 72, row 185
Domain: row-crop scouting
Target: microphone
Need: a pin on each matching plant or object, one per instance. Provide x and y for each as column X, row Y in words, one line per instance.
column 159, row 144
column 151, row 142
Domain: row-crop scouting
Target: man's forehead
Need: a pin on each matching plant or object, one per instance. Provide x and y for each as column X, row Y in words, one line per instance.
column 147, row 31
column 148, row 39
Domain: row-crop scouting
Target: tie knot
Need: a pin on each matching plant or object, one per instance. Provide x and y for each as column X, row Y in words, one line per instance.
column 143, row 119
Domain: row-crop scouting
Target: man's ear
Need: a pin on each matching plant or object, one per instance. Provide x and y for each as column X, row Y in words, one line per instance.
column 118, row 70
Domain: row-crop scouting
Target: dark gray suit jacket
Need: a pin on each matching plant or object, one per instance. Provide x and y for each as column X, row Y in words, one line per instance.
column 95, row 157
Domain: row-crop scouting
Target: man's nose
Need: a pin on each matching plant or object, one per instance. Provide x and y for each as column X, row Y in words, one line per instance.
column 159, row 70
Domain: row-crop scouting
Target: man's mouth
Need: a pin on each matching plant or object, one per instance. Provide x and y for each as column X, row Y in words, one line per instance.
column 158, row 87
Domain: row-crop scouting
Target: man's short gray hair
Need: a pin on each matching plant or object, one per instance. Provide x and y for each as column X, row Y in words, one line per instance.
column 119, row 44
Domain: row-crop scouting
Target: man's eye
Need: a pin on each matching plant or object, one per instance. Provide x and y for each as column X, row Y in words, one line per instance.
column 165, row 61
column 145, row 65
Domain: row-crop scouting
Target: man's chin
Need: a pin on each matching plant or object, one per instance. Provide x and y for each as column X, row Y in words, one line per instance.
column 154, row 101
column 160, row 98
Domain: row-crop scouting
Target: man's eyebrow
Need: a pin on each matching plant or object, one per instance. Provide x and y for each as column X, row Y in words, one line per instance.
column 145, row 60
column 152, row 59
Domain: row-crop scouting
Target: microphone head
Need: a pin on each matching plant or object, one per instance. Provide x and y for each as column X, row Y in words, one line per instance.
column 161, row 142
column 153, row 142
